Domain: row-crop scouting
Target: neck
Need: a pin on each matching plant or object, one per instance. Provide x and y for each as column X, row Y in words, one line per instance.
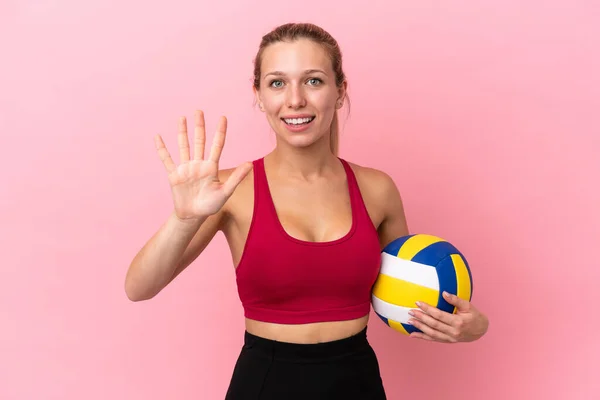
column 302, row 163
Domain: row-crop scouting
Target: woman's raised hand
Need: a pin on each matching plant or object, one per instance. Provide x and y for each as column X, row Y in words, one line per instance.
column 195, row 185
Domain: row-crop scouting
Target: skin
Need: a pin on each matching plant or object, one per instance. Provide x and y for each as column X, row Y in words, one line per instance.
column 309, row 190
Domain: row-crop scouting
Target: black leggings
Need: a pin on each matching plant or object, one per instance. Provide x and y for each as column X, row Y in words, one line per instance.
column 341, row 369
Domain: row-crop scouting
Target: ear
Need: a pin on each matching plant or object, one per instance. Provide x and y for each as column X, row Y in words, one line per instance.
column 258, row 98
column 342, row 91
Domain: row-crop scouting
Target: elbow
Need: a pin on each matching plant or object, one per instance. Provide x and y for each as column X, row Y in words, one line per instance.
column 132, row 297
column 131, row 294
column 135, row 293
column 135, row 297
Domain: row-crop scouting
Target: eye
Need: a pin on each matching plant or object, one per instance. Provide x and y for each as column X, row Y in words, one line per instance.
column 276, row 81
column 316, row 81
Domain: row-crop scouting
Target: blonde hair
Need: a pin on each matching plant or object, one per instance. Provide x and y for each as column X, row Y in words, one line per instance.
column 293, row 31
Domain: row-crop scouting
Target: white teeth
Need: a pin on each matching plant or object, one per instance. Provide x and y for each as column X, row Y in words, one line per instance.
column 298, row 121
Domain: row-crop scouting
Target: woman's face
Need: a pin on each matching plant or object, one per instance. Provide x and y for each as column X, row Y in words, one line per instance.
column 298, row 92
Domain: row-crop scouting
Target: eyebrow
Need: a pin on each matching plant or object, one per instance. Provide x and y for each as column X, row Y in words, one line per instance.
column 307, row 72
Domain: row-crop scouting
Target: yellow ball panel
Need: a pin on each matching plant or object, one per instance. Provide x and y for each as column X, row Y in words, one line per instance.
column 463, row 283
column 415, row 244
column 403, row 293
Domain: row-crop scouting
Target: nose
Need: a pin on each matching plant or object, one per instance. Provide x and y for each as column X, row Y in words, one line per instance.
column 295, row 97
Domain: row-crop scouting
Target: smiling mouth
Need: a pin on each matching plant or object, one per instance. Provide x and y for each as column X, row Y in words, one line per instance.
column 297, row 121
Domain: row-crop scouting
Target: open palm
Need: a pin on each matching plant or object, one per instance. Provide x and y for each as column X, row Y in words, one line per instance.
column 195, row 185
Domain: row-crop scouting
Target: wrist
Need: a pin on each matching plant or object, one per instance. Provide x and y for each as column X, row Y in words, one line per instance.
column 192, row 223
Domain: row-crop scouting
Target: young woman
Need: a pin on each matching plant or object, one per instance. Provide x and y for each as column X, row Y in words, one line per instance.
column 305, row 230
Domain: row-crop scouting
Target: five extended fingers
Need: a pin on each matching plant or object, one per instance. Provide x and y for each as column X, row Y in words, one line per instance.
column 199, row 142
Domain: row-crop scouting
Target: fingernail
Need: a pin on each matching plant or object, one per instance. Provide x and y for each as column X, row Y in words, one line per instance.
column 411, row 313
column 418, row 303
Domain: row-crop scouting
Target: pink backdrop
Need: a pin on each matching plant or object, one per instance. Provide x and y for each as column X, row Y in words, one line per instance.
column 485, row 113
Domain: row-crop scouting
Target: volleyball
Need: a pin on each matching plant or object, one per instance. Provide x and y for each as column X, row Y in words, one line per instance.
column 418, row 267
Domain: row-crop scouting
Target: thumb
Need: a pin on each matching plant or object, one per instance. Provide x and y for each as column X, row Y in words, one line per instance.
column 461, row 304
column 236, row 177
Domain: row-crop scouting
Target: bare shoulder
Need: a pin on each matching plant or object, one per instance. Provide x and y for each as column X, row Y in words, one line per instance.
column 373, row 181
column 383, row 200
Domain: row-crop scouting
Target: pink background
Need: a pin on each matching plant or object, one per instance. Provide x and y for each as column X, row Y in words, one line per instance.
column 485, row 113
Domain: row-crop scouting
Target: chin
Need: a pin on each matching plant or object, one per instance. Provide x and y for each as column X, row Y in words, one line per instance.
column 304, row 141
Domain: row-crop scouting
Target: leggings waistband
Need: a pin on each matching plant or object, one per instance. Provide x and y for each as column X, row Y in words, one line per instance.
column 312, row 351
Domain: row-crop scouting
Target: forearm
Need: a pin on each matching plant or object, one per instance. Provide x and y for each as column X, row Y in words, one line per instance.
column 152, row 268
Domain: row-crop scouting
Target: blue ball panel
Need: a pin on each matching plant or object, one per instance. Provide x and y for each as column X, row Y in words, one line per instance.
column 410, row 328
column 435, row 252
column 447, row 277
